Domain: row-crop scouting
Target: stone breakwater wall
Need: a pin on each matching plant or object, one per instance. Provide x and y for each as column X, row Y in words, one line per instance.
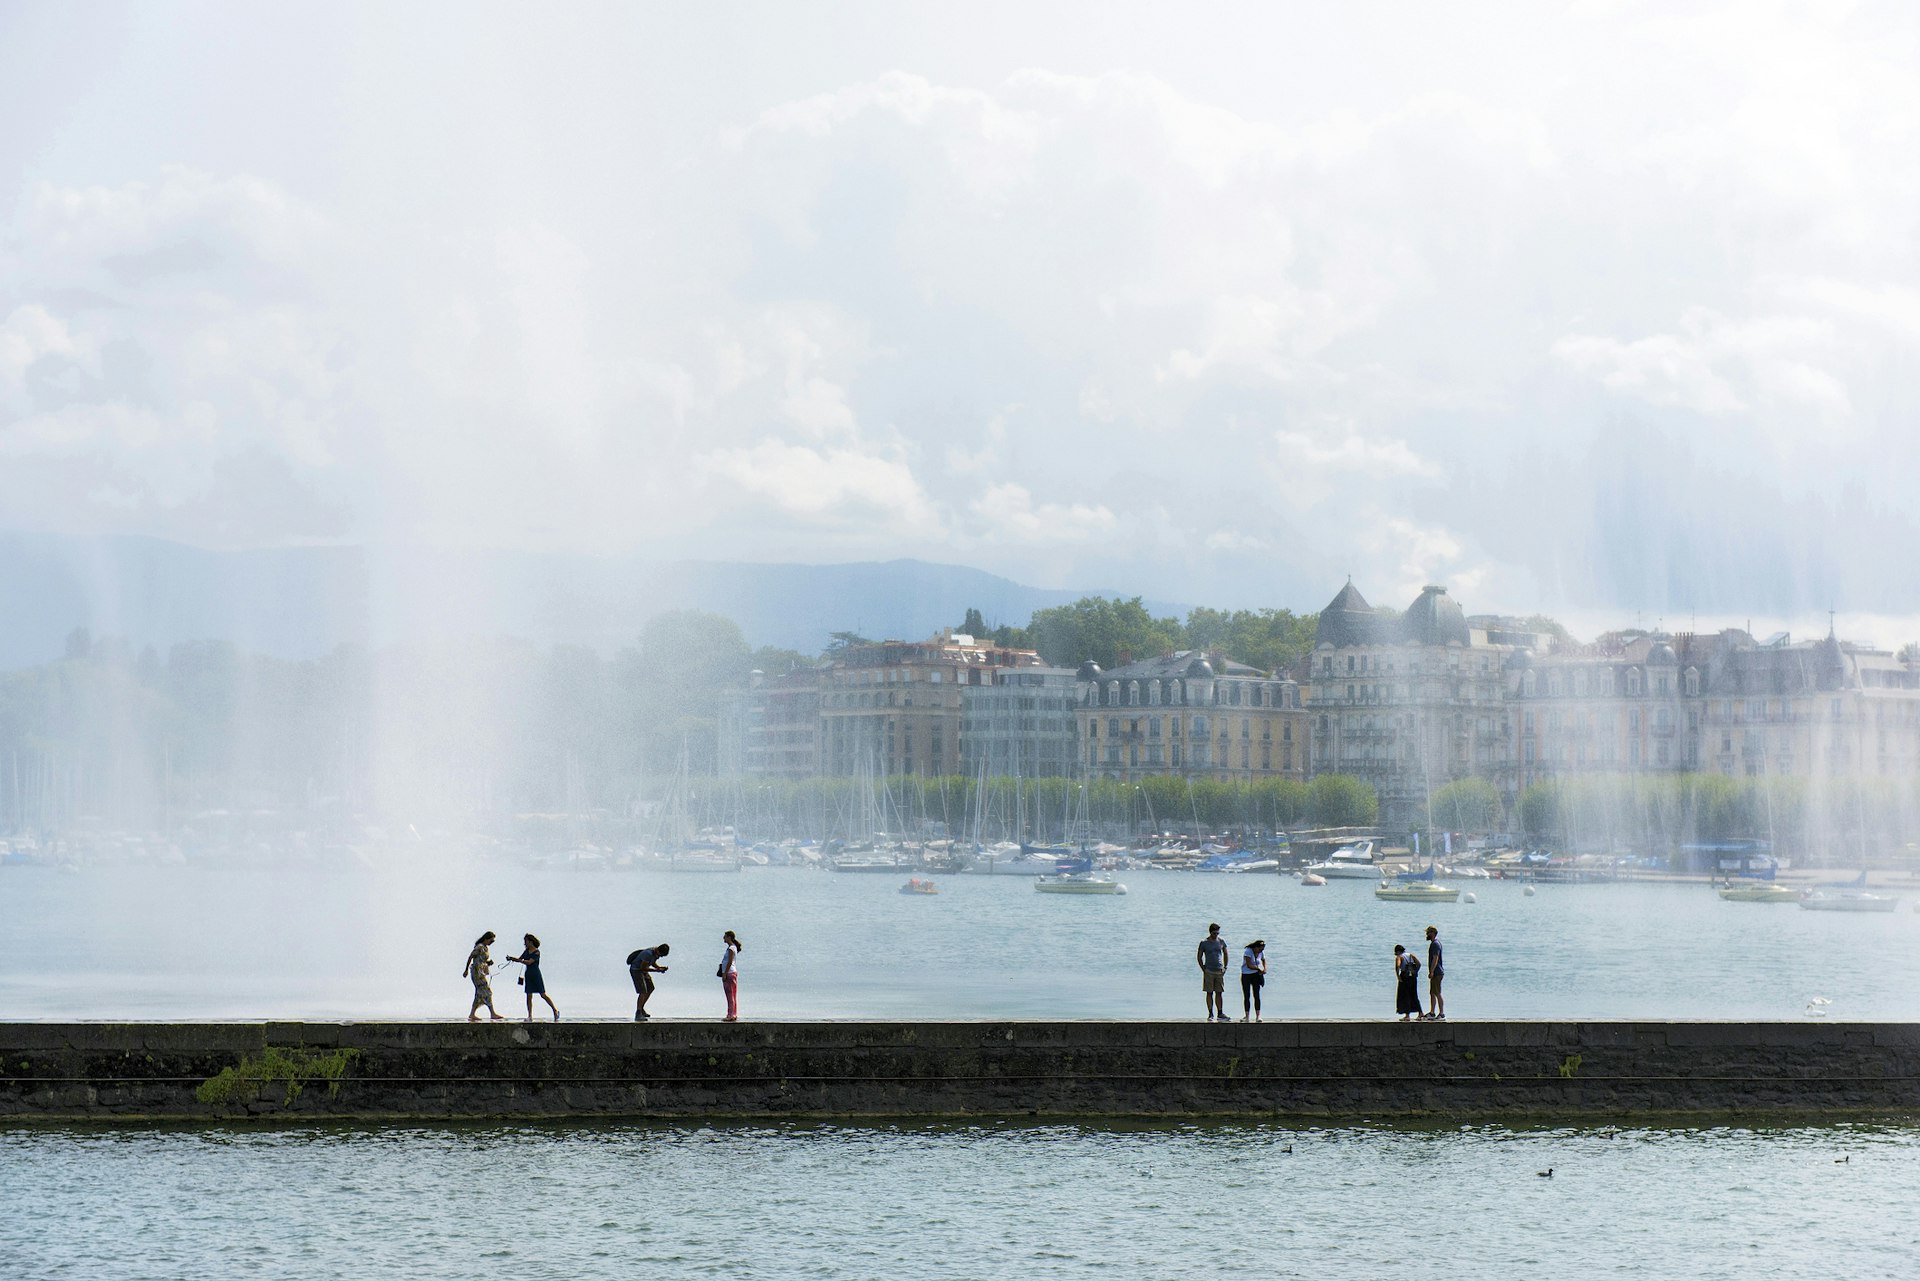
column 1516, row 1070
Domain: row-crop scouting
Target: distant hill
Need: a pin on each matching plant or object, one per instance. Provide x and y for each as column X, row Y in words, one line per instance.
column 297, row 602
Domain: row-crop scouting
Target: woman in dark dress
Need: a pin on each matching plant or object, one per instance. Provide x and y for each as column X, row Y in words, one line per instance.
column 535, row 984
column 1406, row 993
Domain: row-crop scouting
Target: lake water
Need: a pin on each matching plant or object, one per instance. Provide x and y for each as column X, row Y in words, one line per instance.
column 962, row 1201
column 979, row 1202
column 137, row 942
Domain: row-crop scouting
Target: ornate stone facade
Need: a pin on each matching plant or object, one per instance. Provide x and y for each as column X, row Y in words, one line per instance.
column 1408, row 702
column 895, row 707
column 1191, row 714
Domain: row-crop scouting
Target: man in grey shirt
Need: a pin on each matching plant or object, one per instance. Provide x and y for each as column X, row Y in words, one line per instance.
column 1211, row 956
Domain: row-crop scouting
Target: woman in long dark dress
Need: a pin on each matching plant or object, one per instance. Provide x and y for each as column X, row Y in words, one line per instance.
column 535, row 983
column 1406, row 994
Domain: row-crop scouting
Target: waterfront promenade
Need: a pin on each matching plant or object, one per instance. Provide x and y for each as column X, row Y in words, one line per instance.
column 1512, row 1070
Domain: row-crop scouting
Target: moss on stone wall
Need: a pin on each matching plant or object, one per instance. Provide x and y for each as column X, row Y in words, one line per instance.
column 295, row 1069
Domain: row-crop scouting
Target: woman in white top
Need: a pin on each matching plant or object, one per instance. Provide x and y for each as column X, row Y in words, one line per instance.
column 1253, row 977
column 729, row 975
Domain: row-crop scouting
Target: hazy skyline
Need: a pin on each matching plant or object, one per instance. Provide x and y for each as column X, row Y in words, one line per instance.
column 1608, row 307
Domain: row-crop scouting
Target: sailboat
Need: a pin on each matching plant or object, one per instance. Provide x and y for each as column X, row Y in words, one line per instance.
column 1416, row 887
column 1848, row 896
column 1076, row 876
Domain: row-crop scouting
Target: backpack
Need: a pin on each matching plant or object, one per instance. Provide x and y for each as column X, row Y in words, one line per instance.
column 633, row 957
column 1410, row 965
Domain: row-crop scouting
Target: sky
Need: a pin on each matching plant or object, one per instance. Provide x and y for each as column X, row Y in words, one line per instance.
column 1606, row 309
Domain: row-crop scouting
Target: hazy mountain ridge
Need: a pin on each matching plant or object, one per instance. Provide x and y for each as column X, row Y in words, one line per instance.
column 298, row 602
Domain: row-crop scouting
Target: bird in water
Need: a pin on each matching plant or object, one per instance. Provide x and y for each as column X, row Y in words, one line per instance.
column 1546, row 1173
column 1287, row 1149
column 1842, row 1160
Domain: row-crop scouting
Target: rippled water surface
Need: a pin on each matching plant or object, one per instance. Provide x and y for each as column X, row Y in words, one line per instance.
column 389, row 942
column 958, row 1201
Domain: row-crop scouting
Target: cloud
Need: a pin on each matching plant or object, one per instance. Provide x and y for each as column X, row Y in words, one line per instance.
column 1007, row 513
column 834, row 486
column 27, row 335
column 1374, row 458
column 1417, row 554
column 1718, row 366
column 1235, row 541
column 1047, row 320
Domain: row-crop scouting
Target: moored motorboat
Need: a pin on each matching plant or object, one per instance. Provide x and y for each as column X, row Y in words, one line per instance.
column 1348, row 863
column 1759, row 892
column 917, row 886
column 1415, row 892
column 1078, row 883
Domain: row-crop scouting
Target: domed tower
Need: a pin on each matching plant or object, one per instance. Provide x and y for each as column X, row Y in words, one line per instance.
column 1436, row 619
column 1089, row 676
column 1199, row 678
column 1347, row 620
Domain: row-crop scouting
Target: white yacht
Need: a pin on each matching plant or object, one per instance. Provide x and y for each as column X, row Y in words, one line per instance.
column 1759, row 892
column 1078, row 883
column 1848, row 900
column 1007, row 859
column 1415, row 892
column 1349, row 863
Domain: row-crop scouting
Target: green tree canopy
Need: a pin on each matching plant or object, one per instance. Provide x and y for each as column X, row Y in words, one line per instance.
column 1273, row 639
column 1466, row 805
column 1340, row 800
column 1106, row 631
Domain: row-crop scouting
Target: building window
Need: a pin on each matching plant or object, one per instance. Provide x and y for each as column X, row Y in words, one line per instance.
column 1527, row 685
column 1633, row 682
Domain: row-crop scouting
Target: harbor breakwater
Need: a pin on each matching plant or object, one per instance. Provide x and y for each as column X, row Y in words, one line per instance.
column 1334, row 1069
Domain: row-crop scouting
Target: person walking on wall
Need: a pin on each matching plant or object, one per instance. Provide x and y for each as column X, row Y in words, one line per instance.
column 642, row 964
column 479, row 967
column 532, row 980
column 1436, row 1004
column 1406, row 992
column 1253, row 977
column 1211, row 957
column 730, row 974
